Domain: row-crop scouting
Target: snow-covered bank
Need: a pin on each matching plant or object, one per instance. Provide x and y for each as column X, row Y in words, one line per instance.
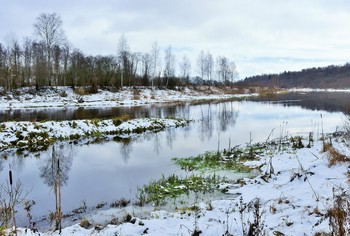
column 306, row 90
column 295, row 190
column 34, row 136
column 66, row 97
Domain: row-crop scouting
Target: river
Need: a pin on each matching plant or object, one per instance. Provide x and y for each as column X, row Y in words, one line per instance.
column 108, row 171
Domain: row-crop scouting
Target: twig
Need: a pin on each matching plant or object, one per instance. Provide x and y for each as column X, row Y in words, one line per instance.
column 304, row 172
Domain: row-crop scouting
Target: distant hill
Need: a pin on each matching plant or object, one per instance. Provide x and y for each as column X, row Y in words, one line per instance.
column 322, row 77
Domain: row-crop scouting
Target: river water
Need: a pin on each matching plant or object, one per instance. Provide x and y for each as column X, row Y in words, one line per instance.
column 109, row 171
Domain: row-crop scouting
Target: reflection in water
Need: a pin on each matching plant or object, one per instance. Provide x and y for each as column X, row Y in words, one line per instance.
column 126, row 149
column 48, row 169
column 170, row 137
column 40, row 114
column 156, row 143
column 148, row 156
column 206, row 123
column 326, row 101
column 227, row 116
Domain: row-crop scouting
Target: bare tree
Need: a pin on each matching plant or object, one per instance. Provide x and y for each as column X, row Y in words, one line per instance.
column 77, row 61
column 201, row 64
column 223, row 69
column 28, row 61
column 124, row 59
column 209, row 66
column 155, row 60
column 146, row 63
column 39, row 64
column 169, row 70
column 3, row 66
column 233, row 74
column 65, row 58
column 14, row 62
column 185, row 68
column 48, row 29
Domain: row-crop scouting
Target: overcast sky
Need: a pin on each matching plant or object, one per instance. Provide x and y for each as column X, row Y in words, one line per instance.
column 261, row 36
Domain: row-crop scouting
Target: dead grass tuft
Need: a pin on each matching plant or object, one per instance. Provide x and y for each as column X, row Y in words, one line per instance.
column 136, row 94
column 339, row 214
column 334, row 156
column 81, row 91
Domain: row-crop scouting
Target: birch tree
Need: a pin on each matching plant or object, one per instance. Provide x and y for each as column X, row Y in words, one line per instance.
column 48, row 29
column 185, row 68
column 169, row 70
column 155, row 61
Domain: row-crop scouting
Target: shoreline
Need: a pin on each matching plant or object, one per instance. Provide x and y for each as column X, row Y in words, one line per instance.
column 295, row 188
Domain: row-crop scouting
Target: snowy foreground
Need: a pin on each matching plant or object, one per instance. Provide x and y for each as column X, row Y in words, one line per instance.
column 294, row 200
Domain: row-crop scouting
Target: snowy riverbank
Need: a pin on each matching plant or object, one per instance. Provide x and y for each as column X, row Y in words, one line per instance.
column 295, row 189
column 67, row 97
column 34, row 136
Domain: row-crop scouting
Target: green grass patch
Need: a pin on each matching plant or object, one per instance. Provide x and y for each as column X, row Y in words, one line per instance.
column 232, row 159
column 159, row 191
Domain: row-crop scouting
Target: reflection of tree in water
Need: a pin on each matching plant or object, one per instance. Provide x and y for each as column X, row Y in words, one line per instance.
column 227, row 116
column 170, row 137
column 206, row 123
column 183, row 111
column 48, row 170
column 125, row 149
column 157, row 146
column 1, row 164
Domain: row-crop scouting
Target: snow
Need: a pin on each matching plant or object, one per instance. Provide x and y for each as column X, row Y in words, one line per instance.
column 65, row 97
column 306, row 90
column 22, row 132
column 294, row 200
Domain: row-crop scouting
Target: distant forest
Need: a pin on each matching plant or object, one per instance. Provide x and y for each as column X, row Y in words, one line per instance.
column 48, row 59
column 336, row 77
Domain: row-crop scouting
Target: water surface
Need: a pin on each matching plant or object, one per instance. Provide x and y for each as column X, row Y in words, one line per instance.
column 110, row 171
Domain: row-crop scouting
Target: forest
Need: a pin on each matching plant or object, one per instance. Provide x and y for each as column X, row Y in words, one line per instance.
column 337, row 77
column 48, row 59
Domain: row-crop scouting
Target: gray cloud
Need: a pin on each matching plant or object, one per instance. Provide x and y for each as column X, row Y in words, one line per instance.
column 246, row 31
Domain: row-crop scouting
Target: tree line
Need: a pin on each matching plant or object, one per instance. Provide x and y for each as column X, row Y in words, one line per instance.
column 48, row 59
column 332, row 76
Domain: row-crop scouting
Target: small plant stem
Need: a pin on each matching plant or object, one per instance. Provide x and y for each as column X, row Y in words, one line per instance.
column 302, row 169
column 12, row 200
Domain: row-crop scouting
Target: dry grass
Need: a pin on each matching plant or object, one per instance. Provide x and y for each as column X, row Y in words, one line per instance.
column 339, row 215
column 334, row 156
column 136, row 94
column 81, row 91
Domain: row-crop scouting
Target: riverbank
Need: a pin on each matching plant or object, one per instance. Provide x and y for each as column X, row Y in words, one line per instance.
column 36, row 136
column 80, row 97
column 66, row 97
column 299, row 187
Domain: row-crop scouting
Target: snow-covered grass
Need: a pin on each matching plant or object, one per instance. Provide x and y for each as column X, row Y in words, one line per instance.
column 318, row 90
column 66, row 97
column 34, row 136
column 292, row 195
